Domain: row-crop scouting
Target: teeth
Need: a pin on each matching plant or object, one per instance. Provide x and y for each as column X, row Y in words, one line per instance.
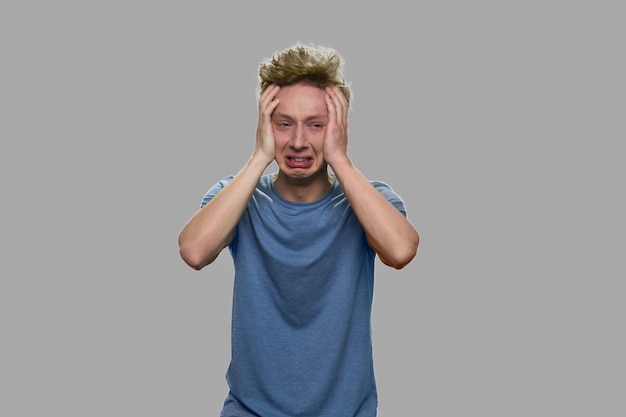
column 299, row 159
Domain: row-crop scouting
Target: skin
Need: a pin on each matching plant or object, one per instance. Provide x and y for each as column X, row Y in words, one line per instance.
column 299, row 124
column 304, row 129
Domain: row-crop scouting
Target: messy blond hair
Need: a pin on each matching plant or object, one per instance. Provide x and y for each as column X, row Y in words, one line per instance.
column 317, row 66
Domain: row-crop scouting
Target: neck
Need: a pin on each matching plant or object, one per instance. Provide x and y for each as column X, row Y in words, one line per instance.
column 305, row 190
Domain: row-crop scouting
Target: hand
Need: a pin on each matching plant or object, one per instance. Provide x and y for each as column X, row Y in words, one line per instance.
column 265, row 131
column 336, row 135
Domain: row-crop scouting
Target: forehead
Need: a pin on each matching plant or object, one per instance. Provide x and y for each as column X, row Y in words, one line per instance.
column 301, row 98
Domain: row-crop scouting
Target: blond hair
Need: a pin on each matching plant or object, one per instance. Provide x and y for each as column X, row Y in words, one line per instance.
column 317, row 66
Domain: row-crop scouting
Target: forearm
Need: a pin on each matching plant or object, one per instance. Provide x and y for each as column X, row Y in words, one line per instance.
column 210, row 229
column 388, row 231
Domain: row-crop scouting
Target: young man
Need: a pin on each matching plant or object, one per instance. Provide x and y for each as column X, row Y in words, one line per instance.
column 303, row 241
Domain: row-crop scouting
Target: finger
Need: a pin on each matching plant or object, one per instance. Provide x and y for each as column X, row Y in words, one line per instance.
column 268, row 95
column 332, row 108
column 344, row 104
column 268, row 102
column 340, row 103
column 270, row 91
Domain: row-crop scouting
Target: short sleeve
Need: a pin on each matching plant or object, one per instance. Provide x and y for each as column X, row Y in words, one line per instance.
column 215, row 189
column 390, row 195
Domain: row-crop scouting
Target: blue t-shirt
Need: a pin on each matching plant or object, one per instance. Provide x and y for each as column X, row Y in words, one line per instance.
column 301, row 320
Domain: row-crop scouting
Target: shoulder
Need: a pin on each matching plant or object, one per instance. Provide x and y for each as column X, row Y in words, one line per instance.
column 389, row 193
column 212, row 192
column 383, row 187
column 265, row 182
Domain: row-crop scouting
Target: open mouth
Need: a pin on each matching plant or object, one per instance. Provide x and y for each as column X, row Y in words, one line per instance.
column 298, row 162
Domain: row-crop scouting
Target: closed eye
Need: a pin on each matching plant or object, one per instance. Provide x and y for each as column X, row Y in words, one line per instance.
column 282, row 125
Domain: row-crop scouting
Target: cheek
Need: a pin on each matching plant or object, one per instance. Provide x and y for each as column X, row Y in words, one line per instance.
column 317, row 139
column 280, row 139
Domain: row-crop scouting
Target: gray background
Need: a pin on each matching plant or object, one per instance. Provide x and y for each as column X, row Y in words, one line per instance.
column 498, row 122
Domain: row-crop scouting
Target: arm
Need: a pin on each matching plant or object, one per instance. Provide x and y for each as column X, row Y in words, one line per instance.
column 388, row 231
column 210, row 229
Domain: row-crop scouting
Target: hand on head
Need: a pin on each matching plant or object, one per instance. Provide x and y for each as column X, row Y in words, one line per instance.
column 265, row 131
column 336, row 136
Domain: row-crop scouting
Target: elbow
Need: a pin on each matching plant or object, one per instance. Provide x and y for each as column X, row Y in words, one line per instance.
column 191, row 258
column 401, row 259
column 199, row 253
column 403, row 255
column 194, row 258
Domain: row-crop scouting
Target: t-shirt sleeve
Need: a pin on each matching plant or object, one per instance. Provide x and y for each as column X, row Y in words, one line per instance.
column 215, row 189
column 390, row 195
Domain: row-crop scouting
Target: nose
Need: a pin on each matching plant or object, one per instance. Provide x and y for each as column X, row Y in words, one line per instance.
column 299, row 140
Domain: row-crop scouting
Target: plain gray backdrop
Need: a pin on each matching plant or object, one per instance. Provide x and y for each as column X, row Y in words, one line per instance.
column 501, row 124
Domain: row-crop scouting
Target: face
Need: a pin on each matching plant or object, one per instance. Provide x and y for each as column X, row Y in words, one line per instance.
column 299, row 122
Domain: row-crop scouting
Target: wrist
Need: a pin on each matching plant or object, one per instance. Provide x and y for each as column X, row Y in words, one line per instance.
column 260, row 160
column 336, row 162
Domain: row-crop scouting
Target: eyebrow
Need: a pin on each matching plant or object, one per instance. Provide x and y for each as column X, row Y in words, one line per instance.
column 309, row 118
